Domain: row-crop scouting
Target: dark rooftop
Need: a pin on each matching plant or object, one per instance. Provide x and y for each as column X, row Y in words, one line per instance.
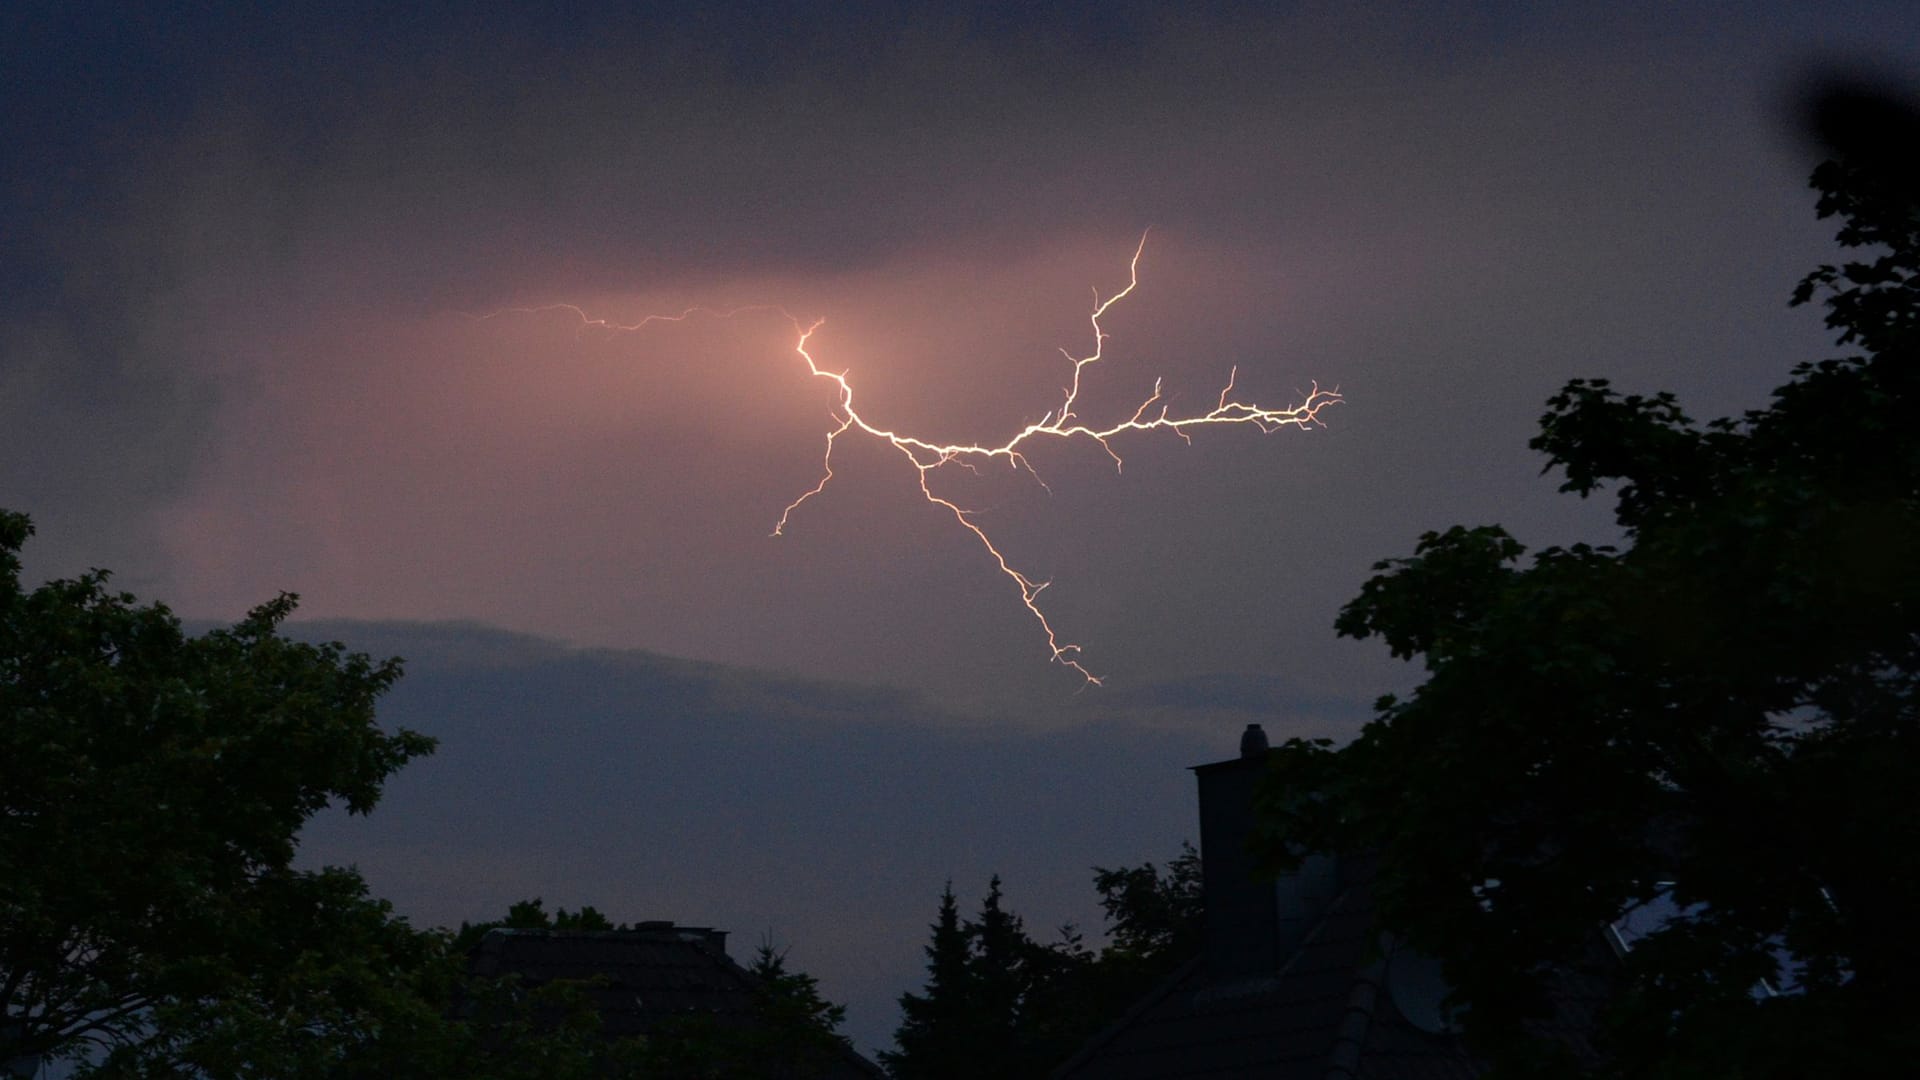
column 650, row 974
column 1325, row 1013
column 1296, row 981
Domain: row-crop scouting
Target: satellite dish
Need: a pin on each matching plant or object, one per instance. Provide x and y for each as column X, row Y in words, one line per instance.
column 1419, row 991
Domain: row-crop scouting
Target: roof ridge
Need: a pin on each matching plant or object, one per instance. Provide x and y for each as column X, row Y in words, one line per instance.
column 1350, row 1037
column 1343, row 1057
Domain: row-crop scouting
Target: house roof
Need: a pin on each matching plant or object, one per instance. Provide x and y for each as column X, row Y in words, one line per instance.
column 1324, row 1014
column 1296, row 979
column 647, row 975
column 652, row 973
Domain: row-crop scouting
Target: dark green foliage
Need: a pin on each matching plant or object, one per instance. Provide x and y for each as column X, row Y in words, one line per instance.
column 792, row 1035
column 997, row 1002
column 1152, row 918
column 791, row 999
column 152, row 786
column 791, row 1032
column 1730, row 702
column 934, row 1037
column 532, row 915
column 1000, row 977
column 1153, row 926
column 798, row 1030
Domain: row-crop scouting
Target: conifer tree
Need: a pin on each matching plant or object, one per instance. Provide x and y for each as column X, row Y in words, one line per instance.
column 997, row 1001
column 1000, row 972
column 931, row 1038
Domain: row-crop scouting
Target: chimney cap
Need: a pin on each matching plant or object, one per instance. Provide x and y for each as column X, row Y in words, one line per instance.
column 1253, row 742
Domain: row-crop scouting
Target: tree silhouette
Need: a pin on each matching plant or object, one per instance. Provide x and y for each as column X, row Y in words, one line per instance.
column 151, row 787
column 933, row 1036
column 1718, row 721
column 998, row 1002
column 533, row 915
column 1153, row 920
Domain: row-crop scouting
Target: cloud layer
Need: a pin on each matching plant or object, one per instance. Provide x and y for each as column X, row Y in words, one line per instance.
column 237, row 361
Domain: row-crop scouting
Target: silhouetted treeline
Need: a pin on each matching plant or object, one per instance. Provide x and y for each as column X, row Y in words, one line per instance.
column 999, row 1003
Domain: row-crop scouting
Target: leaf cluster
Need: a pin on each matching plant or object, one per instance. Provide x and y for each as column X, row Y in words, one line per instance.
column 1722, row 713
column 792, row 1031
column 152, row 784
column 152, row 787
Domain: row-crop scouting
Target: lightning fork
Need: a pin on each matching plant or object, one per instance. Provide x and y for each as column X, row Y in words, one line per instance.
column 1060, row 423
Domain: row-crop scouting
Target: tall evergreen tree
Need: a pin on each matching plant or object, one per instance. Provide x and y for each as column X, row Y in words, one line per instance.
column 932, row 1042
column 1000, row 974
column 790, row 999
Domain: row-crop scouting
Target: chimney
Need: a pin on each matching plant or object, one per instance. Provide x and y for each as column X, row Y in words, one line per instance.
column 1253, row 922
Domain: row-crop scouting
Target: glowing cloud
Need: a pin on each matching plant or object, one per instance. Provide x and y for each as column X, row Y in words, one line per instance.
column 1062, row 423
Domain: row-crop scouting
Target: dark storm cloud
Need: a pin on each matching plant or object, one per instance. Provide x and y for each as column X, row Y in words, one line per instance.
column 179, row 181
column 214, row 216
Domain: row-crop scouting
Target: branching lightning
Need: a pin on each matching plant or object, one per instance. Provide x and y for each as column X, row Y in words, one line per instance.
column 1060, row 423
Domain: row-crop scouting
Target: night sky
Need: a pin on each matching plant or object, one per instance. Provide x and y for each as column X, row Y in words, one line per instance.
column 242, row 259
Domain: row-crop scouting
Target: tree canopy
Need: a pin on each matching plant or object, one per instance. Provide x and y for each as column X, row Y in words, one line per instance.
column 1717, row 719
column 151, row 787
column 533, row 915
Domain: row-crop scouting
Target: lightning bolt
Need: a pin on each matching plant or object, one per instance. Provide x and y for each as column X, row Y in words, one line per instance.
column 1063, row 423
